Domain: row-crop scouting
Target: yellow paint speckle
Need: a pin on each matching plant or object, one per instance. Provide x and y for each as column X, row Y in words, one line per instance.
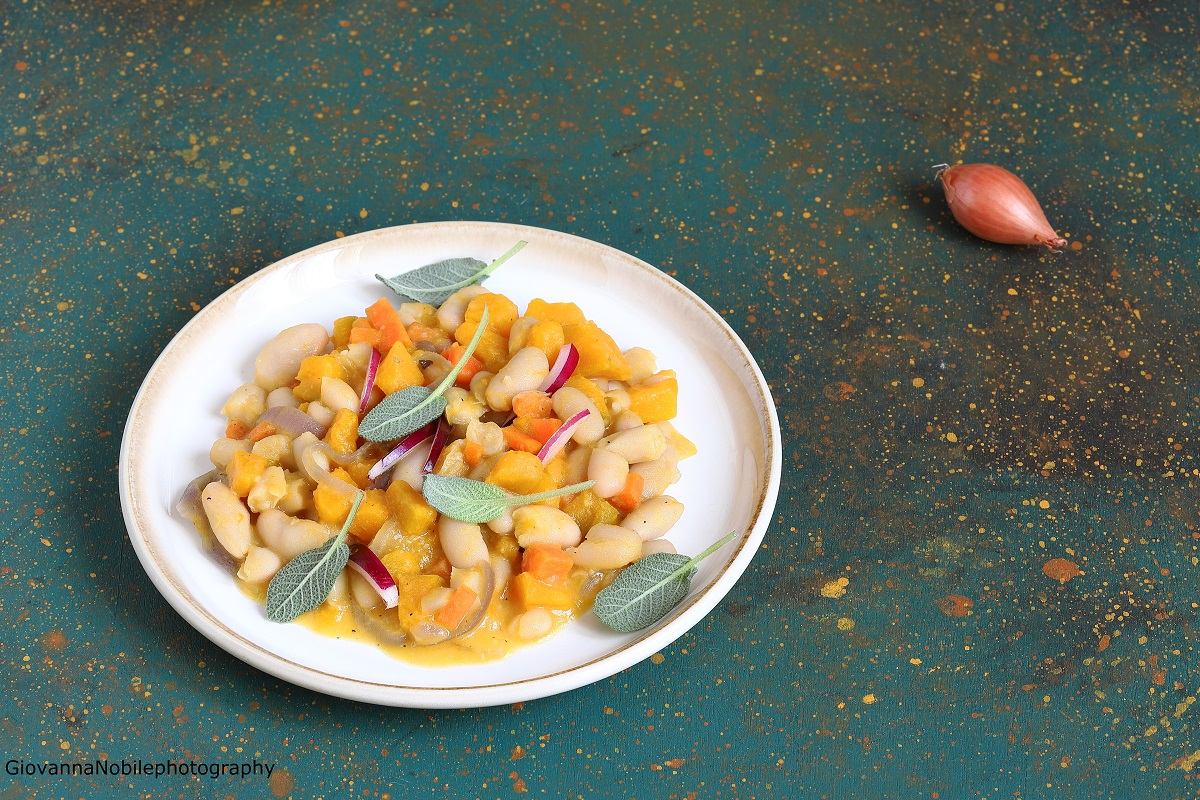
column 363, row 213
column 1012, row 291
column 236, row 211
column 845, row 624
column 836, row 588
column 1043, row 504
column 916, row 662
column 918, row 382
column 951, row 437
column 657, row 658
column 868, row 699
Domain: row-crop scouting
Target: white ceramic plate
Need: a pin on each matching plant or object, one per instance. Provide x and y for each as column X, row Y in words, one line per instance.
column 725, row 408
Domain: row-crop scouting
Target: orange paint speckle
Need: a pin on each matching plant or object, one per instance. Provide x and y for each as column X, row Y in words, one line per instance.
column 838, row 390
column 1060, row 569
column 519, row 786
column 282, row 783
column 1105, row 641
column 21, row 66
column 956, row 605
column 54, row 640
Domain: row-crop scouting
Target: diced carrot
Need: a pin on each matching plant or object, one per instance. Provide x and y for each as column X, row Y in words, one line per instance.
column 521, row 441
column 549, row 563
column 630, row 496
column 538, row 427
column 472, row 453
column 387, row 321
column 235, row 430
column 451, row 615
column 368, row 335
column 453, row 354
column 261, row 431
column 532, row 404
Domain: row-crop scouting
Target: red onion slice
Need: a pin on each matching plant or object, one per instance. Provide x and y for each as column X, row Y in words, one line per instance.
column 558, row 440
column 369, row 382
column 292, row 421
column 397, row 453
column 364, row 561
column 564, row 368
column 439, row 441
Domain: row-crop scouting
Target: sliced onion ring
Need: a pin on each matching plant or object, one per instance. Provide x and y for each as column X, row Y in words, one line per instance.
column 397, row 452
column 319, row 473
column 439, row 441
column 292, row 421
column 558, row 440
column 564, row 368
column 364, row 561
column 369, row 381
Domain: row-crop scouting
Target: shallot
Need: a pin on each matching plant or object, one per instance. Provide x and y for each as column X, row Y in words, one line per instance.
column 996, row 205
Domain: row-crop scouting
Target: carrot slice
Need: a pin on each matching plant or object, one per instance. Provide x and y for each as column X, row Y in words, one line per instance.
column 538, row 427
column 521, row 441
column 547, row 562
column 630, row 496
column 451, row 615
column 236, row 430
column 472, row 453
column 454, row 354
column 261, row 431
column 387, row 321
column 368, row 335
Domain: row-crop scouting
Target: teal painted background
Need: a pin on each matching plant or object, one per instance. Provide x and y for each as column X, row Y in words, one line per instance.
column 956, row 414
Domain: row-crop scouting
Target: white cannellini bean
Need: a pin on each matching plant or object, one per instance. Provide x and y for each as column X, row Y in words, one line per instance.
column 636, row 444
column 298, row 495
column 533, row 624
column 487, row 435
column 279, row 361
column 577, row 465
column 618, row 400
column 462, row 542
column 641, row 364
column 657, row 546
column 545, row 524
column 569, row 401
column 626, row 420
column 268, row 490
column 608, row 470
column 282, row 397
column 414, row 312
column 321, row 413
column 362, row 591
column 657, row 475
column 246, row 404
column 288, row 536
column 518, row 331
column 524, row 372
column 228, row 518
column 433, row 600
column 276, row 448
column 462, row 408
column 261, row 564
column 336, row 394
column 453, row 312
column 607, row 547
column 654, row 517
column 501, row 573
column 339, row 595
column 471, row 578
column 504, row 523
column 223, row 449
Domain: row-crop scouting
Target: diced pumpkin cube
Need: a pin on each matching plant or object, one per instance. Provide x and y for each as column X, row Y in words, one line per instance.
column 342, row 435
column 357, row 470
column 504, row 546
column 398, row 370
column 372, row 513
column 599, row 356
column 529, row 592
column 562, row 313
column 331, row 505
column 549, row 563
column 312, row 370
column 400, row 562
column 384, row 319
column 683, row 445
column 492, row 349
column 588, row 508
column 341, row 331
column 502, row 312
column 244, row 470
column 521, row 473
column 548, row 337
column 655, row 402
column 410, row 510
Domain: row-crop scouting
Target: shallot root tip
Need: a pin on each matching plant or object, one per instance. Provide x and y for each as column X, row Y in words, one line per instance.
column 940, row 169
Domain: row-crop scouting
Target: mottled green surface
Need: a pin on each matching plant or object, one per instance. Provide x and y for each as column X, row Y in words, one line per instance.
column 955, row 413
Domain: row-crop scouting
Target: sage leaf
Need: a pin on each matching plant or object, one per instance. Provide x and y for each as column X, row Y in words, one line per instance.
column 305, row 581
column 433, row 283
column 475, row 501
column 648, row 589
column 403, row 412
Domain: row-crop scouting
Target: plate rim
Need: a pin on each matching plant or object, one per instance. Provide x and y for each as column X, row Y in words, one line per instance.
column 481, row 695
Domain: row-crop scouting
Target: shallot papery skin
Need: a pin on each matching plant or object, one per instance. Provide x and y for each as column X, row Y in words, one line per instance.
column 996, row 205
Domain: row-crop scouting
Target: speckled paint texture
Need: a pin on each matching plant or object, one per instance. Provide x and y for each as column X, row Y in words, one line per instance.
column 981, row 579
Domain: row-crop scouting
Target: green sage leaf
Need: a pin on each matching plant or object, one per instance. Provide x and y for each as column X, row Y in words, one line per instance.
column 648, row 589
column 433, row 283
column 475, row 501
column 305, row 581
column 403, row 412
